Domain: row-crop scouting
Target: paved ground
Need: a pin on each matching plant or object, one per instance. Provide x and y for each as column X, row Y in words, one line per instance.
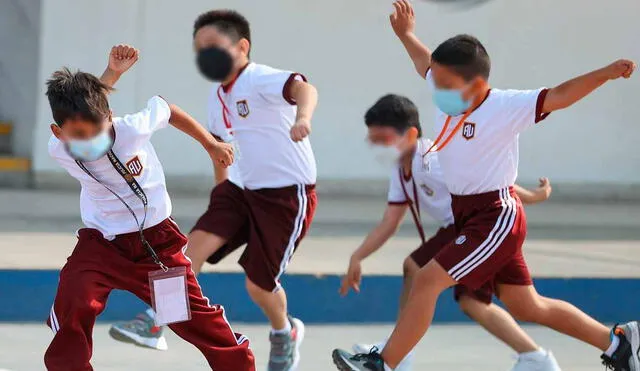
column 461, row 348
column 565, row 239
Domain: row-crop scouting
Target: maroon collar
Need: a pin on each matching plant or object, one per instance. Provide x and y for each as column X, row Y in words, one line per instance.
column 227, row 87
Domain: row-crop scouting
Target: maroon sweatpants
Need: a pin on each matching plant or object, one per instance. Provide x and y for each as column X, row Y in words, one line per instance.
column 98, row 266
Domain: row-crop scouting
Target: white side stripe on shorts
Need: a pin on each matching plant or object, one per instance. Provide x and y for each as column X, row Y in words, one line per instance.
column 498, row 233
column 297, row 230
column 54, row 321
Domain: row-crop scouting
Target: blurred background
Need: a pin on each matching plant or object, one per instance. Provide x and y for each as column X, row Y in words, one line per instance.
column 583, row 246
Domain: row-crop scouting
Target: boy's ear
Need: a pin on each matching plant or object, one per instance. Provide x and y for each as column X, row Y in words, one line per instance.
column 245, row 46
column 56, row 130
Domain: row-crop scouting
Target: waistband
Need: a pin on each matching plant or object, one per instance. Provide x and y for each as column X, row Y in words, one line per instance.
column 483, row 198
column 291, row 188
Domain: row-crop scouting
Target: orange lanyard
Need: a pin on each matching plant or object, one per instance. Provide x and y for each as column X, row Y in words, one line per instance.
column 435, row 146
column 225, row 112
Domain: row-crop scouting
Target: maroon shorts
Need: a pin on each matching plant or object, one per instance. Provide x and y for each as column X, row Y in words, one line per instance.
column 491, row 229
column 428, row 250
column 271, row 221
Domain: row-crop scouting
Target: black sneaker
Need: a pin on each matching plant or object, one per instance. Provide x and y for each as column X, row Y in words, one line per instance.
column 627, row 355
column 346, row 361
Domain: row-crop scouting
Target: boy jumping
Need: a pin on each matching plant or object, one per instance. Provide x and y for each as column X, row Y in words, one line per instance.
column 392, row 123
column 130, row 242
column 265, row 113
column 478, row 150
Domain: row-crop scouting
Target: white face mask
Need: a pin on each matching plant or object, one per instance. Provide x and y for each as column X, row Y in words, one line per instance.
column 386, row 155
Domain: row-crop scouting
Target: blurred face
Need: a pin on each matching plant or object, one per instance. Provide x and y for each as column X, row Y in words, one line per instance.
column 389, row 145
column 79, row 129
column 84, row 140
column 452, row 94
column 211, row 37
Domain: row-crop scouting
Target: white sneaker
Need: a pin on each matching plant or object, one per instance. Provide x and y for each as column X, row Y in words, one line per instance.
column 405, row 365
column 541, row 360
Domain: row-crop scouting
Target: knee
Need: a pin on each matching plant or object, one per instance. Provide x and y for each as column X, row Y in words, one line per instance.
column 432, row 277
column 409, row 268
column 253, row 289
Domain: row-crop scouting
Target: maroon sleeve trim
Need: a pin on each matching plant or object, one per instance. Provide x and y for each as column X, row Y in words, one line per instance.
column 398, row 203
column 539, row 104
column 286, row 89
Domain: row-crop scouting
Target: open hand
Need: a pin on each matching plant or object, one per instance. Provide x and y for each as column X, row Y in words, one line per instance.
column 122, row 57
column 221, row 153
column 403, row 20
column 353, row 277
column 620, row 68
column 300, row 130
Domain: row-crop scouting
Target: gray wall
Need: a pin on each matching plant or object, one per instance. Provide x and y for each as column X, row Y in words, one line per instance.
column 349, row 51
column 19, row 63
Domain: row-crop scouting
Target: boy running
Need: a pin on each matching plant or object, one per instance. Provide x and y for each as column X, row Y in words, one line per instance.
column 130, row 241
column 393, row 122
column 478, row 150
column 270, row 202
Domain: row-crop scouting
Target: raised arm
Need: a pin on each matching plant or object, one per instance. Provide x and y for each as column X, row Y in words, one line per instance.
column 220, row 153
column 306, row 98
column 403, row 22
column 393, row 215
column 569, row 92
column 121, row 58
column 540, row 194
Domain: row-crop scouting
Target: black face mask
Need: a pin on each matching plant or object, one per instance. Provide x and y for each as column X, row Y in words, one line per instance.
column 215, row 63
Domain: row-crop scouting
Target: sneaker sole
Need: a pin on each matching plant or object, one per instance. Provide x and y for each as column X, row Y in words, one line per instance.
column 341, row 363
column 296, row 356
column 132, row 338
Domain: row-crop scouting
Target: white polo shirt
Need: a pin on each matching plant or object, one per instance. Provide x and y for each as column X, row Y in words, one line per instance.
column 216, row 126
column 430, row 189
column 261, row 113
column 483, row 155
column 99, row 208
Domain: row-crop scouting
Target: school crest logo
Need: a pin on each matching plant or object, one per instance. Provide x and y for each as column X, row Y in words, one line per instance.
column 461, row 239
column 135, row 166
column 243, row 108
column 468, row 130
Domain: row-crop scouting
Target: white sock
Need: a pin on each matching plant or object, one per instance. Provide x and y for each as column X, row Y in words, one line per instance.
column 151, row 313
column 614, row 345
column 285, row 330
column 387, row 368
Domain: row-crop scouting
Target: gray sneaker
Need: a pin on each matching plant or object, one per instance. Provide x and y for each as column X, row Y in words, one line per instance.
column 141, row 331
column 285, row 348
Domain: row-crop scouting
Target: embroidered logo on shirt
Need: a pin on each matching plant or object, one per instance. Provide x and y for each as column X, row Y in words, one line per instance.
column 468, row 130
column 461, row 239
column 135, row 166
column 243, row 108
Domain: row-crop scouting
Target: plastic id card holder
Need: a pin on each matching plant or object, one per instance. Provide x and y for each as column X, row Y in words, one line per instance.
column 169, row 296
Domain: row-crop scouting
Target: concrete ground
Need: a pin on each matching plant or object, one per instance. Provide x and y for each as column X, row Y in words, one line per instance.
column 565, row 240
column 461, row 348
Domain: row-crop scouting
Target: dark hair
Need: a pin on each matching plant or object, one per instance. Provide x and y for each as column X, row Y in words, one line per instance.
column 227, row 21
column 394, row 111
column 77, row 95
column 465, row 55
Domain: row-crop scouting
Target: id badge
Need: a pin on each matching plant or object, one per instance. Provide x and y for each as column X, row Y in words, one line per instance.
column 169, row 296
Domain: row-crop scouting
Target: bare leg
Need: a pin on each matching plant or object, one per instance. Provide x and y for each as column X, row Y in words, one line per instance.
column 409, row 268
column 201, row 246
column 499, row 323
column 417, row 314
column 273, row 304
column 526, row 304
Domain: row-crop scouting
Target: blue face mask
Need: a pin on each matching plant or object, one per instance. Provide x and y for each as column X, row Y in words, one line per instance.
column 450, row 101
column 91, row 149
